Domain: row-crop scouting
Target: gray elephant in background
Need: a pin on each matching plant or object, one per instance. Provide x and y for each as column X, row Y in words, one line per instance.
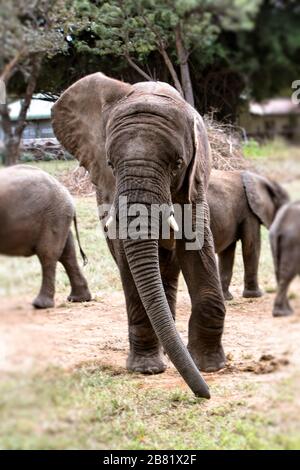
column 240, row 202
column 36, row 213
column 285, row 243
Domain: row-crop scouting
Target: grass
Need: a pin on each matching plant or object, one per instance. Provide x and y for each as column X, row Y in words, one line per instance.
column 253, row 150
column 276, row 159
column 92, row 408
column 276, row 149
column 56, row 167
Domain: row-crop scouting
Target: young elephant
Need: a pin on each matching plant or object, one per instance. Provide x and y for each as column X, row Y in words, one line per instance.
column 285, row 243
column 145, row 144
column 36, row 212
column 239, row 202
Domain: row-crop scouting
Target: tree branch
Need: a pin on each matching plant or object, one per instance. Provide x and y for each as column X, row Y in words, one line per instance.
column 37, row 62
column 163, row 52
column 9, row 68
column 137, row 68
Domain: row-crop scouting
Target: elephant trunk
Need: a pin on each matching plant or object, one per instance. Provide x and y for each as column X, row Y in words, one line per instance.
column 143, row 260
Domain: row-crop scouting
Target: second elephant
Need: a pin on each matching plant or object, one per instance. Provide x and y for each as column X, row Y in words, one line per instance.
column 240, row 201
column 36, row 213
column 285, row 244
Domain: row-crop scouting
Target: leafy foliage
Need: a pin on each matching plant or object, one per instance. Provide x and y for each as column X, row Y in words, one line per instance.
column 29, row 28
column 128, row 27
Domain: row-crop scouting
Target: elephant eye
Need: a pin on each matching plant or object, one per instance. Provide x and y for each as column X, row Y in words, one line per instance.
column 109, row 163
column 176, row 166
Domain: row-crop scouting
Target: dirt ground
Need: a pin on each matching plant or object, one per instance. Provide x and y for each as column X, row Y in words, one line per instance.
column 257, row 345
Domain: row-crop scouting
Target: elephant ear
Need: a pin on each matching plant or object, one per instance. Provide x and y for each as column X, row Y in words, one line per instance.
column 198, row 171
column 264, row 196
column 77, row 119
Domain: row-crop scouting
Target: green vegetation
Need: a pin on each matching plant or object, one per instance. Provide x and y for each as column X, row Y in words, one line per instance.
column 91, row 408
column 56, row 168
column 27, row 157
column 273, row 150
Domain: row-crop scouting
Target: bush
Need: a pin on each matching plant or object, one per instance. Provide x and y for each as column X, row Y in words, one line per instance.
column 27, row 157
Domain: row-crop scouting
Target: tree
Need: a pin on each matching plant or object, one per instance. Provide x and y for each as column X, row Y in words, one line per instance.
column 274, row 48
column 230, row 50
column 173, row 28
column 30, row 31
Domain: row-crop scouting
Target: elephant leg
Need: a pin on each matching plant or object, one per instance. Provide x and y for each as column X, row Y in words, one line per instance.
column 170, row 270
column 79, row 287
column 282, row 307
column 251, row 246
column 145, row 353
column 45, row 298
column 208, row 310
column 286, row 271
column 226, row 261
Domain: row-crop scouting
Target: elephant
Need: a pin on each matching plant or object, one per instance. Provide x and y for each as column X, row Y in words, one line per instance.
column 144, row 142
column 239, row 202
column 36, row 213
column 285, row 244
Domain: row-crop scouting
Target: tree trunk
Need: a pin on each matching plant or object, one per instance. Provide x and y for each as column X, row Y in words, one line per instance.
column 11, row 152
column 11, row 147
column 171, row 70
column 184, row 67
column 13, row 133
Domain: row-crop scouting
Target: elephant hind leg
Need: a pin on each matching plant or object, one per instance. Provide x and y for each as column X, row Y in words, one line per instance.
column 282, row 307
column 226, row 261
column 49, row 248
column 251, row 247
column 286, row 272
column 79, row 287
column 45, row 298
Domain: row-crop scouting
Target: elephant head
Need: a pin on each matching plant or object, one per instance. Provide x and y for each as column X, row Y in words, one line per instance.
column 157, row 146
column 265, row 197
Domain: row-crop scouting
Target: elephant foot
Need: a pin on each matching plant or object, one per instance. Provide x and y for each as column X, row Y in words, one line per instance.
column 227, row 295
column 252, row 294
column 84, row 296
column 43, row 301
column 209, row 361
column 153, row 364
column 279, row 311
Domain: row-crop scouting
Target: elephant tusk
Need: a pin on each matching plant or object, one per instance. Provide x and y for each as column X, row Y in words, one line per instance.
column 108, row 223
column 172, row 222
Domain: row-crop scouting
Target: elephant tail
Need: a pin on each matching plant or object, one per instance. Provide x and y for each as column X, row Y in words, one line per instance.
column 83, row 255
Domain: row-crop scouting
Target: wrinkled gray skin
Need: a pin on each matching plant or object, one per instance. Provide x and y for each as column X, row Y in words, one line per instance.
column 239, row 202
column 156, row 145
column 36, row 213
column 285, row 243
